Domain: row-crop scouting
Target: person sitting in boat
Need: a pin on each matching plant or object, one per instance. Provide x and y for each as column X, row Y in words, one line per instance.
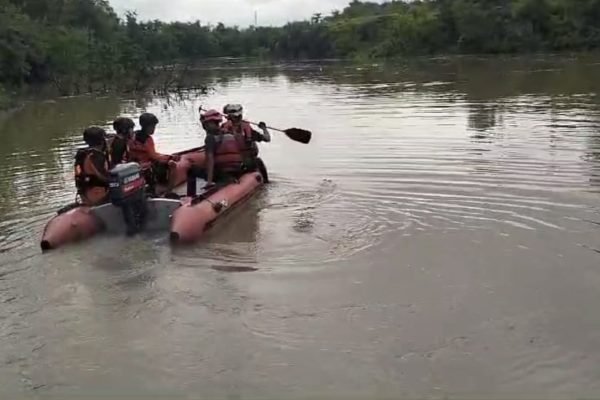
column 142, row 150
column 224, row 154
column 118, row 147
column 235, row 124
column 91, row 168
column 211, row 123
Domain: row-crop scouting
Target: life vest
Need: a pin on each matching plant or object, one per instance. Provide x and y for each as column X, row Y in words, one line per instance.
column 249, row 148
column 244, row 128
column 140, row 149
column 83, row 177
column 229, row 151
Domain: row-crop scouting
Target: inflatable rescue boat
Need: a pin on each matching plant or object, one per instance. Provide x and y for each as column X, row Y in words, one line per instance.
column 130, row 210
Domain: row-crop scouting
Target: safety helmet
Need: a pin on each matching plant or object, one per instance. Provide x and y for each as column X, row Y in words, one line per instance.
column 211, row 115
column 94, row 136
column 148, row 120
column 123, row 125
column 233, row 110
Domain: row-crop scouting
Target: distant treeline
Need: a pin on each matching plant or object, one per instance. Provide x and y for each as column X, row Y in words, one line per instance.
column 81, row 45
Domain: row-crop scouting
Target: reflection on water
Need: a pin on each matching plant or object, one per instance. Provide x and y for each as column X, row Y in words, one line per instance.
column 439, row 236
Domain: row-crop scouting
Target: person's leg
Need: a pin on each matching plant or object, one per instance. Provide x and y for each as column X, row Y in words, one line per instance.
column 161, row 172
column 171, row 176
column 193, row 174
column 148, row 175
column 256, row 164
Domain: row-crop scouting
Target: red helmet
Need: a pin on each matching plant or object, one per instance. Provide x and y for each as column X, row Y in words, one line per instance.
column 211, row 115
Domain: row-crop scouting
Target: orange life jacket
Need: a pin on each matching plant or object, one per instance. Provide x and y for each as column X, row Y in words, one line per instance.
column 244, row 128
column 90, row 186
column 229, row 151
column 140, row 152
column 144, row 152
column 249, row 149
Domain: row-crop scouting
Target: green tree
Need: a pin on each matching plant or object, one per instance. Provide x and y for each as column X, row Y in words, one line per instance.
column 81, row 45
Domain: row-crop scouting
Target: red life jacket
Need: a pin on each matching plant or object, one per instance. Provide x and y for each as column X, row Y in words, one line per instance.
column 249, row 149
column 229, row 151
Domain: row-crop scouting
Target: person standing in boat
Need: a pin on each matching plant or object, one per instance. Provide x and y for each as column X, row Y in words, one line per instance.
column 236, row 125
column 91, row 168
column 143, row 151
column 118, row 147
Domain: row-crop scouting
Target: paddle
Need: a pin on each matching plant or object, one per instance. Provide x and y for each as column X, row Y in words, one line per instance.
column 296, row 134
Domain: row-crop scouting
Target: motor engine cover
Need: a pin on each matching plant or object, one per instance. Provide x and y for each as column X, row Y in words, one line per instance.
column 126, row 182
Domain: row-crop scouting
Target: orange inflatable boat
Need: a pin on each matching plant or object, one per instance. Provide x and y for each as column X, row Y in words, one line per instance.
column 196, row 215
column 186, row 218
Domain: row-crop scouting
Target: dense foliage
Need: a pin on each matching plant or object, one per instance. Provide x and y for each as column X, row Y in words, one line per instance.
column 81, row 45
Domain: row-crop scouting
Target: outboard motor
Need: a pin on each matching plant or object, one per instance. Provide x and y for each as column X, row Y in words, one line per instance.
column 127, row 191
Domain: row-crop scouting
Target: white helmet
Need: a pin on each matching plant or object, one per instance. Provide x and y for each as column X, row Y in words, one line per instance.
column 233, row 110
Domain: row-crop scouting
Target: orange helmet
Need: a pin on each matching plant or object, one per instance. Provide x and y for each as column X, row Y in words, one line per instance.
column 211, row 115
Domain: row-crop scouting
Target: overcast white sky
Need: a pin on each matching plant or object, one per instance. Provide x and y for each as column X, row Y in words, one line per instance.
column 230, row 12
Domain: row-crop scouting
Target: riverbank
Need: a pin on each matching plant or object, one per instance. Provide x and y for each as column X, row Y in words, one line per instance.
column 7, row 102
column 201, row 76
column 76, row 53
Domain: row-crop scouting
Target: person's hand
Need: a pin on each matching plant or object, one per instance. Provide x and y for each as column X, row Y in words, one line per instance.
column 262, row 125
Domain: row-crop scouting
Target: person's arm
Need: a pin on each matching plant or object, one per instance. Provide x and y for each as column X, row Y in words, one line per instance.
column 209, row 149
column 265, row 136
column 154, row 155
column 210, row 169
column 98, row 167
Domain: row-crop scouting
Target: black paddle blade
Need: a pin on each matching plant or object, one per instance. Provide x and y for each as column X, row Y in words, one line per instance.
column 299, row 135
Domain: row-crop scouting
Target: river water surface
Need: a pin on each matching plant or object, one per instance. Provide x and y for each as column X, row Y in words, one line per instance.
column 440, row 236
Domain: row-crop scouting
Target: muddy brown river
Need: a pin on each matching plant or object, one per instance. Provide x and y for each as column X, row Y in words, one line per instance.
column 439, row 237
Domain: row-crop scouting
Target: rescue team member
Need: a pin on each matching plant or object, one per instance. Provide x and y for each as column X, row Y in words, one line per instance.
column 211, row 123
column 91, row 168
column 118, row 147
column 224, row 154
column 142, row 150
column 235, row 124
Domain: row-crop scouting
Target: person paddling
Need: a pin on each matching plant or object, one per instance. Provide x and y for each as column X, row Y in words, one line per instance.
column 91, row 168
column 143, row 151
column 224, row 151
column 118, row 148
column 236, row 125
